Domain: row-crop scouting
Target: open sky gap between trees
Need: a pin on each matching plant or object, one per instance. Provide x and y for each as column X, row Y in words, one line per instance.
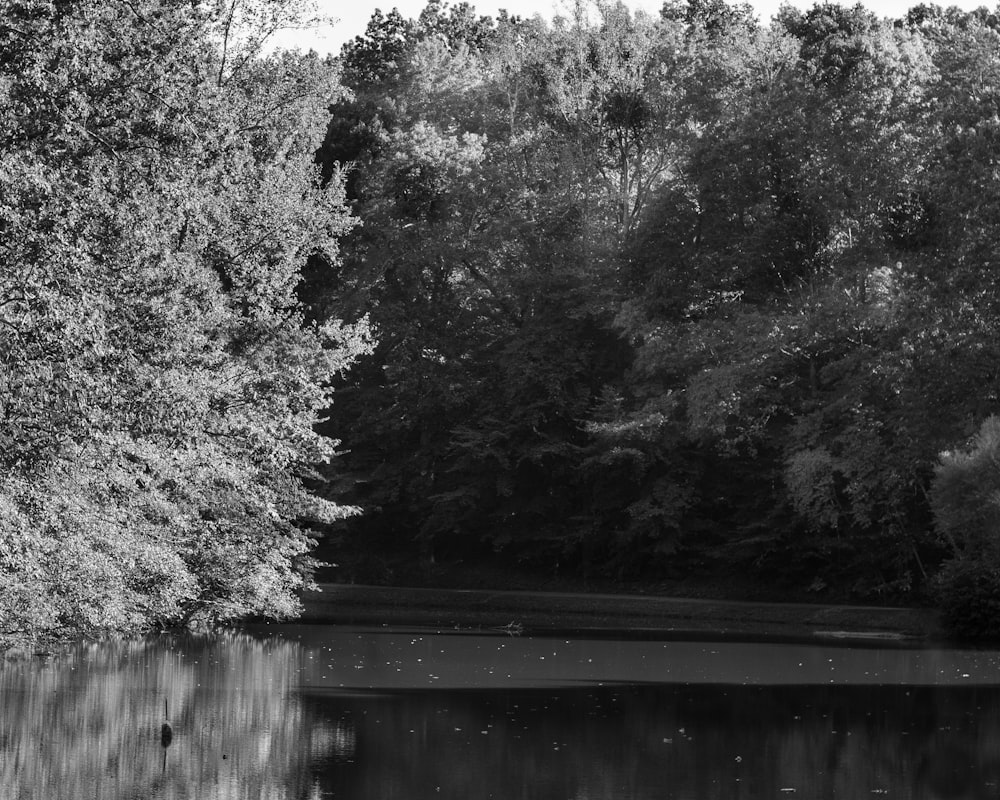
column 620, row 297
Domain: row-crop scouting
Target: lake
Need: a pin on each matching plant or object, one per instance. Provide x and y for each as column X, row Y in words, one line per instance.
column 307, row 712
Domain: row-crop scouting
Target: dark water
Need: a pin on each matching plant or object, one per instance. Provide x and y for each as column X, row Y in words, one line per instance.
column 313, row 712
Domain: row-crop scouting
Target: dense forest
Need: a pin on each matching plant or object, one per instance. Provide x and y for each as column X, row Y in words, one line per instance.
column 617, row 297
column 672, row 295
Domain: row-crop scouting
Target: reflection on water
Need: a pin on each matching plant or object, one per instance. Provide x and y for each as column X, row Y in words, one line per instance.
column 672, row 742
column 386, row 659
column 91, row 724
column 311, row 712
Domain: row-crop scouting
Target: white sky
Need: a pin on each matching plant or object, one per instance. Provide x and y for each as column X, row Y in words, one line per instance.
column 353, row 15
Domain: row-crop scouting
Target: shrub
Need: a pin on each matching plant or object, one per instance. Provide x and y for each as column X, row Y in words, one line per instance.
column 965, row 499
column 965, row 494
column 969, row 598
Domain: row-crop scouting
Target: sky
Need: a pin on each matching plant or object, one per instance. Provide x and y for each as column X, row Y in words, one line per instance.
column 352, row 15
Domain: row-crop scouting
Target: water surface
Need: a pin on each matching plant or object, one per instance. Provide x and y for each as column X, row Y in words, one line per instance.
column 317, row 712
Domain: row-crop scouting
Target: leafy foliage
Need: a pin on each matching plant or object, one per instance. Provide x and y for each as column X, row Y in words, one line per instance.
column 966, row 495
column 969, row 597
column 160, row 384
column 672, row 293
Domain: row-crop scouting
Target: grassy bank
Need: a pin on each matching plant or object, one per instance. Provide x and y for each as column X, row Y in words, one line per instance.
column 557, row 612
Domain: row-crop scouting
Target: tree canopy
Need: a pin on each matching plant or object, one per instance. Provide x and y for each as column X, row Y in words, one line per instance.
column 160, row 382
column 675, row 293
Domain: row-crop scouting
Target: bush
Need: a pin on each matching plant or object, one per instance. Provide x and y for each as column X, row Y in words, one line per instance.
column 965, row 499
column 969, row 598
column 965, row 496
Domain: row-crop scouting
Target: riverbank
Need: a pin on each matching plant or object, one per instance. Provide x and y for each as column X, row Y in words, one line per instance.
column 636, row 615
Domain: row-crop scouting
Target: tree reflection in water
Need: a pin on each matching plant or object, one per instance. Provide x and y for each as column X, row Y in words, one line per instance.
column 249, row 721
column 657, row 742
column 90, row 724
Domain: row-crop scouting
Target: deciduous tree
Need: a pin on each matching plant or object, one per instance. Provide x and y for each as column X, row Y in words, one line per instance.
column 160, row 384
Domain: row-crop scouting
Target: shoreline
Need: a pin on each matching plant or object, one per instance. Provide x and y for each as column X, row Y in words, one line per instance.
column 543, row 613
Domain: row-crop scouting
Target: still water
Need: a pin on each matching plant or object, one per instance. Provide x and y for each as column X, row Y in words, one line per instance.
column 304, row 712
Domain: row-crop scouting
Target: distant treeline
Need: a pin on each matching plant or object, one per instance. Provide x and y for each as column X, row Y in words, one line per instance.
column 661, row 292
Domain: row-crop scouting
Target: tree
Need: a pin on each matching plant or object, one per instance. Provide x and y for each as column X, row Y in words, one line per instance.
column 964, row 495
column 769, row 298
column 664, row 292
column 161, row 385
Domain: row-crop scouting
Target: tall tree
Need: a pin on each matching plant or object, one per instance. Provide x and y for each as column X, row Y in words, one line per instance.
column 160, row 383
